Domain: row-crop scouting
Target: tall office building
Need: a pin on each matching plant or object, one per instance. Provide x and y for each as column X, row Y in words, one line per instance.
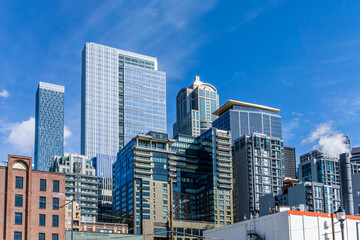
column 122, row 94
column 194, row 108
column 289, row 162
column 103, row 167
column 81, row 183
column 152, row 172
column 258, row 170
column 316, row 166
column 243, row 118
column 49, row 124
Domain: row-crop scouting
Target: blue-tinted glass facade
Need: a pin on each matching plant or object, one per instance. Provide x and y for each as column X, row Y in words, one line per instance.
column 123, row 94
column 103, row 165
column 144, row 101
column 241, row 120
column 49, row 125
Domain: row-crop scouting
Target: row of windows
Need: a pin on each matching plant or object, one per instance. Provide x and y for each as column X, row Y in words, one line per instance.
column 19, row 183
column 18, row 236
column 42, row 219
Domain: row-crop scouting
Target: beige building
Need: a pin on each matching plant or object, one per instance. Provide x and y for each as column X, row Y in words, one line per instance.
column 77, row 216
column 30, row 202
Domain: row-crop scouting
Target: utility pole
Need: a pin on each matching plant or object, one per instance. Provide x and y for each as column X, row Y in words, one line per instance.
column 171, row 210
column 332, row 226
column 72, row 219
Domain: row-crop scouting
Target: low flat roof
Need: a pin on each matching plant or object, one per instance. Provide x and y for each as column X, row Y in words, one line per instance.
column 231, row 103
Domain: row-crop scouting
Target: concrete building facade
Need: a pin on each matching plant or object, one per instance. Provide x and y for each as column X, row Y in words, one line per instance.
column 195, row 173
column 194, row 108
column 81, row 183
column 258, row 170
column 30, row 202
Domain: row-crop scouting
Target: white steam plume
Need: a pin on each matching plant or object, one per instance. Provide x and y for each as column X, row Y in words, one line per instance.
column 330, row 141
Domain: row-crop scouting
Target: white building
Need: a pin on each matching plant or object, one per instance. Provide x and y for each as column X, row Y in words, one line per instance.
column 288, row 225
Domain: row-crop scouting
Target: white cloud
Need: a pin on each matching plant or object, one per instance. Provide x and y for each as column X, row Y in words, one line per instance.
column 22, row 136
column 330, row 141
column 67, row 133
column 4, row 94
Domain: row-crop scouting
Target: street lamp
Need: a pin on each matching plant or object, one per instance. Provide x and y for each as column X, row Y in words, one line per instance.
column 341, row 216
column 72, row 216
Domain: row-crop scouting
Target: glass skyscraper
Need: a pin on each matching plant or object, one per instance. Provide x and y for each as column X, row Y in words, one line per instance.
column 152, row 173
column 49, row 124
column 123, row 94
column 243, row 118
column 194, row 108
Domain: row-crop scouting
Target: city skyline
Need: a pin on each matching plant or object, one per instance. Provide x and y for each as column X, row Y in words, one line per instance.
column 323, row 99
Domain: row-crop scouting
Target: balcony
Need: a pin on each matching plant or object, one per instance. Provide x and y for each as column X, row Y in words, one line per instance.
column 225, row 148
column 224, row 164
column 225, row 186
column 223, row 175
column 220, row 153
column 227, row 170
column 223, row 142
column 172, row 169
column 144, row 165
column 171, row 174
column 143, row 171
column 222, row 135
column 142, row 176
column 224, row 181
column 223, row 159
column 141, row 153
column 142, row 159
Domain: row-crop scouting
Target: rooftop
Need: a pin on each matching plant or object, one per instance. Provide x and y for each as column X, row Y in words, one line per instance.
column 231, row 103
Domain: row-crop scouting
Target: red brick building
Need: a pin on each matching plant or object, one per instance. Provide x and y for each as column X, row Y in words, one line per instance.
column 30, row 202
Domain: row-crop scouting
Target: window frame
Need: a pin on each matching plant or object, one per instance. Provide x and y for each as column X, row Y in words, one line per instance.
column 42, row 236
column 57, row 220
column 57, row 184
column 40, row 220
column 17, row 197
column 16, row 182
column 16, row 237
column 17, row 214
column 57, row 205
column 43, row 185
column 42, row 202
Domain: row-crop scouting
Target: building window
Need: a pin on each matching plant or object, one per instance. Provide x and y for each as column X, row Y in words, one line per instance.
column 55, row 203
column 55, row 237
column 55, row 220
column 55, row 186
column 19, row 182
column 42, row 203
column 17, row 235
column 42, row 220
column 42, row 185
column 18, row 200
column 41, row 236
column 18, row 218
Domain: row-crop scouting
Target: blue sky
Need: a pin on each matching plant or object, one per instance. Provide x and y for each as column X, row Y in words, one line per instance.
column 302, row 57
